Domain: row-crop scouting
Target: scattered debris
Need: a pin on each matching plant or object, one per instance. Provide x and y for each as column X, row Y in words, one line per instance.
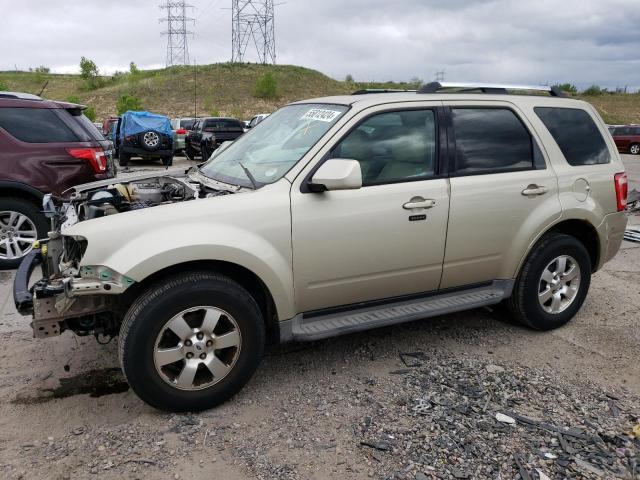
column 378, row 445
column 501, row 417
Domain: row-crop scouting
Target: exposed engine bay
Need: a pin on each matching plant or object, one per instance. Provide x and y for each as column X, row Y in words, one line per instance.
column 88, row 299
column 100, row 199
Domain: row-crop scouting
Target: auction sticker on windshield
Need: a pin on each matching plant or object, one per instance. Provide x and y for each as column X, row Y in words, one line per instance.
column 321, row 115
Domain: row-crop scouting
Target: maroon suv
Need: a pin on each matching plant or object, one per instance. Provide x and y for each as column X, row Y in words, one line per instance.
column 45, row 147
column 627, row 138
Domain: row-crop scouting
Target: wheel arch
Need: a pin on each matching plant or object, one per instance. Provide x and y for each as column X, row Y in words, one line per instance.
column 582, row 230
column 242, row 275
column 21, row 190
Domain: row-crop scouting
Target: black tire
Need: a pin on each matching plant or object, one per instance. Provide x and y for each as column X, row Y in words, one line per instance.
column 189, row 152
column 204, row 151
column 634, row 149
column 156, row 306
column 524, row 305
column 31, row 211
column 124, row 159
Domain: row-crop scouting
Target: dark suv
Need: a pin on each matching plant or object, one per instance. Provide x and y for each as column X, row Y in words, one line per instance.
column 208, row 133
column 45, row 147
column 627, row 138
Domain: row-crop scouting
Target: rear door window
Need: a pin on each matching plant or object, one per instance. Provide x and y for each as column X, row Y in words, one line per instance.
column 576, row 134
column 36, row 125
column 223, row 125
column 490, row 140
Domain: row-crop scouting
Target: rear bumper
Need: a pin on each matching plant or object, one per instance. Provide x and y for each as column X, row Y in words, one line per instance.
column 141, row 152
column 611, row 233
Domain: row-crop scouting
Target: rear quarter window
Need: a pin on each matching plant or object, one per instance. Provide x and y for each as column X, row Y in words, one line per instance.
column 35, row 125
column 576, row 134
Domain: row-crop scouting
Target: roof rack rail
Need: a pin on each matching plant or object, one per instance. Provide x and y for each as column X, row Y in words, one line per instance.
column 20, row 95
column 366, row 91
column 435, row 87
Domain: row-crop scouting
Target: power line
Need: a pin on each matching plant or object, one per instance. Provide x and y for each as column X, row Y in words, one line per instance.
column 253, row 21
column 177, row 32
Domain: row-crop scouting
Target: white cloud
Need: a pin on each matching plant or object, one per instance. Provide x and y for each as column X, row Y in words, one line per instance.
column 582, row 42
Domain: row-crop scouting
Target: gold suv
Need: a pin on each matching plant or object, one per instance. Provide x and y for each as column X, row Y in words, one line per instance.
column 334, row 215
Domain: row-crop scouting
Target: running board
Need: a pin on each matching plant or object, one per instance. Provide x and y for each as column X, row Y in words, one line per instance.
column 307, row 328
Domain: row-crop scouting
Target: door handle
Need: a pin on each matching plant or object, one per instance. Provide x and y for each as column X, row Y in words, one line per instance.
column 419, row 202
column 533, row 190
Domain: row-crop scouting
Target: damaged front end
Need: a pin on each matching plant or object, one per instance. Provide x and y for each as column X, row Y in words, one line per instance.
column 88, row 299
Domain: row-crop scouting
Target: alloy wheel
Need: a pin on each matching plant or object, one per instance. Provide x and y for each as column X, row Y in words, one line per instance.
column 151, row 139
column 559, row 284
column 635, row 149
column 197, row 348
column 17, row 235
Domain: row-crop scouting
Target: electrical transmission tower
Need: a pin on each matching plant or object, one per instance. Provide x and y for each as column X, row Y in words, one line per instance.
column 253, row 21
column 177, row 32
column 439, row 77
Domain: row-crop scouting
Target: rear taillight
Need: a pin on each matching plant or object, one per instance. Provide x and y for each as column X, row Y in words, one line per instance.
column 95, row 156
column 622, row 188
column 181, row 131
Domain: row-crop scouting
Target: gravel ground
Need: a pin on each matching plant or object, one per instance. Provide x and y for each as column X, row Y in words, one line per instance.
column 468, row 395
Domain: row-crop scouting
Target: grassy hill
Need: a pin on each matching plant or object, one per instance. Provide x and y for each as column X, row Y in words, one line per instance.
column 227, row 89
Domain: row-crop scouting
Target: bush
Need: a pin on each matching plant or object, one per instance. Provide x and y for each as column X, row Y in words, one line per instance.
column 3, row 86
column 133, row 69
column 90, row 113
column 42, row 69
column 90, row 74
column 594, row 90
column 266, row 87
column 128, row 102
column 567, row 87
column 73, row 99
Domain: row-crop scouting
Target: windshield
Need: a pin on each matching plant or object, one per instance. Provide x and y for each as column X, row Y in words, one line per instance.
column 268, row 151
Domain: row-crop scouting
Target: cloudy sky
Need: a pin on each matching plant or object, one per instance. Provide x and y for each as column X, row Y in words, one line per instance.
column 525, row 41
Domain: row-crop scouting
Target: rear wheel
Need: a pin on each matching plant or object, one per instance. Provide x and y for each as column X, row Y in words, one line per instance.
column 167, row 160
column 552, row 284
column 124, row 159
column 191, row 342
column 189, row 152
column 21, row 224
column 634, row 149
column 150, row 140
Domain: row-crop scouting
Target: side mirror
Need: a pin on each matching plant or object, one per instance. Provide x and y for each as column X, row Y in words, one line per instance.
column 337, row 174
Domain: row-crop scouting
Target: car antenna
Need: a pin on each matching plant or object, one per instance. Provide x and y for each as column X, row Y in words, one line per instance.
column 45, row 86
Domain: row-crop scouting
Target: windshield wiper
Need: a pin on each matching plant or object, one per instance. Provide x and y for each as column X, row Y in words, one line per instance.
column 249, row 176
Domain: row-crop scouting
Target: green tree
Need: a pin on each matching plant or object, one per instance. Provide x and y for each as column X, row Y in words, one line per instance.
column 266, row 87
column 90, row 113
column 133, row 69
column 3, row 86
column 42, row 69
column 128, row 102
column 349, row 78
column 90, row 74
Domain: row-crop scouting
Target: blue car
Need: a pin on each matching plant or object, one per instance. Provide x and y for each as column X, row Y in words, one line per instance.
column 143, row 134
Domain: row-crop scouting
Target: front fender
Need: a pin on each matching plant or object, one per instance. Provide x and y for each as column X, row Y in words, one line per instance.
column 252, row 230
column 152, row 251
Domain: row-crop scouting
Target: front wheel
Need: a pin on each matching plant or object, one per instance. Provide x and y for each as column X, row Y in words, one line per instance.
column 634, row 149
column 191, row 342
column 552, row 284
